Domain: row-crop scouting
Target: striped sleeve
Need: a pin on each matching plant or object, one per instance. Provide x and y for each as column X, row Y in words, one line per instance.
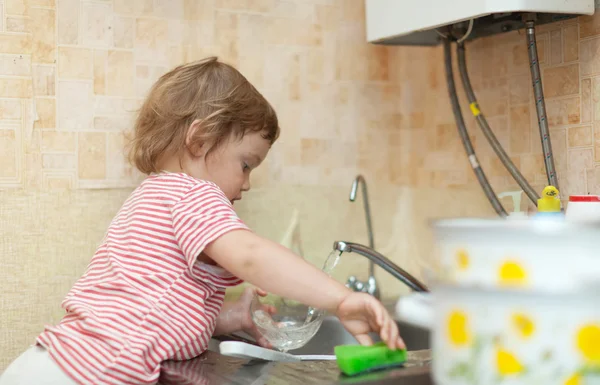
column 201, row 216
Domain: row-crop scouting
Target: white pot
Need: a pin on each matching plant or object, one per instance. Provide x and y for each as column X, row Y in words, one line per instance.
column 487, row 337
column 583, row 209
column 534, row 254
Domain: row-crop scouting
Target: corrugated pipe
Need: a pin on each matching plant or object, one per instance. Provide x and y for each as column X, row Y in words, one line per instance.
column 487, row 131
column 540, row 105
column 464, row 135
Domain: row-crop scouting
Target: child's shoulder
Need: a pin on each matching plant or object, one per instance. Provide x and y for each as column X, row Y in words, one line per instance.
column 176, row 181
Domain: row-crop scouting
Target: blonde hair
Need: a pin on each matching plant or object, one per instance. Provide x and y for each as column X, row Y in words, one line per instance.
column 216, row 94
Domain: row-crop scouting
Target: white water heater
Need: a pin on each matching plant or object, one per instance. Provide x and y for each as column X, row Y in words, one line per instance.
column 413, row 22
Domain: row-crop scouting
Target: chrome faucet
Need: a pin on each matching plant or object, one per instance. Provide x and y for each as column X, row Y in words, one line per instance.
column 383, row 262
column 370, row 286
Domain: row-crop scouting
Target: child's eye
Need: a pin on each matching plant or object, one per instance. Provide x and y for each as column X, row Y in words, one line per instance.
column 245, row 166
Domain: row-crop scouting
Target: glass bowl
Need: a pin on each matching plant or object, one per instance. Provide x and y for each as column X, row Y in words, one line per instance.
column 290, row 327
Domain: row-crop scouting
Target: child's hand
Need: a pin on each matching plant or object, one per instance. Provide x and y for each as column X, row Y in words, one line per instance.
column 243, row 305
column 361, row 313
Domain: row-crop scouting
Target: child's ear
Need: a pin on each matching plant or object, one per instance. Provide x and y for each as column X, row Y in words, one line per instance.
column 194, row 147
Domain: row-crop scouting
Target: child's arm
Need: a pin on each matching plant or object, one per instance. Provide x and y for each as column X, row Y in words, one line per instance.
column 276, row 269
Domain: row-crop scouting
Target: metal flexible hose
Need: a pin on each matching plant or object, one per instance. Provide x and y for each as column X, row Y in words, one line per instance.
column 464, row 135
column 487, row 131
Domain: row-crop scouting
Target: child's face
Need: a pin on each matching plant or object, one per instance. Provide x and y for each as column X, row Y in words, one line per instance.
column 230, row 165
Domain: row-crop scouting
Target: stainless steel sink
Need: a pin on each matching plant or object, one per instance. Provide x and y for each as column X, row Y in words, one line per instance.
column 332, row 334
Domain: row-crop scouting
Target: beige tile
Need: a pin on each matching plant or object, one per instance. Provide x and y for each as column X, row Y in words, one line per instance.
column 143, row 7
column 124, row 7
column 327, row 16
column 18, row 24
column 596, row 99
column 580, row 136
column 91, row 155
column 586, row 100
column 519, row 130
column 8, row 153
column 198, row 10
column 293, row 32
column 75, row 105
column 563, row 111
column 561, row 81
column 556, row 47
column 123, row 28
column 590, row 56
column 120, row 73
column 589, row 26
column 15, row 88
column 580, row 159
column 16, row 7
column 150, row 37
column 15, row 65
column 96, row 25
column 75, row 63
column 43, row 3
column 172, row 9
column 68, row 21
column 597, row 141
column 378, row 63
column 16, row 43
column 246, row 5
column 593, row 180
column 117, row 165
column 100, row 60
column 10, row 109
column 44, row 80
column 571, row 43
column 44, row 42
column 46, row 111
column 59, row 161
column 532, row 166
column 519, row 89
column 57, row 141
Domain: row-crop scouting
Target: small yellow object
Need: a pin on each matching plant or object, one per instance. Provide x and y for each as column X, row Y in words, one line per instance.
column 549, row 202
column 458, row 328
column 588, row 342
column 575, row 379
column 524, row 325
column 512, row 273
column 507, row 364
column 475, row 109
column 463, row 259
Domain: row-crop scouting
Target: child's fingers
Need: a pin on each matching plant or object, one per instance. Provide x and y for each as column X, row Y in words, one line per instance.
column 393, row 335
column 400, row 343
column 364, row 339
column 261, row 292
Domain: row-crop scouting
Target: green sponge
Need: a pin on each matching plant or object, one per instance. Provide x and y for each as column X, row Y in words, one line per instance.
column 357, row 359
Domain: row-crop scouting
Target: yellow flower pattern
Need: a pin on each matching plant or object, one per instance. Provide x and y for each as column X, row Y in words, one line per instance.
column 462, row 258
column 588, row 342
column 575, row 379
column 458, row 330
column 507, row 364
column 523, row 324
column 511, row 273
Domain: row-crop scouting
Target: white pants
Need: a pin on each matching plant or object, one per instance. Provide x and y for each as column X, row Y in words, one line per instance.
column 35, row 367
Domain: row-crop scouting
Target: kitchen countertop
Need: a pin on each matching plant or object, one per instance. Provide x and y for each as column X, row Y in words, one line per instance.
column 215, row 369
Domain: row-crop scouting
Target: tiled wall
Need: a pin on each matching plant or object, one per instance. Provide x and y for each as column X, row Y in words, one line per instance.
column 72, row 73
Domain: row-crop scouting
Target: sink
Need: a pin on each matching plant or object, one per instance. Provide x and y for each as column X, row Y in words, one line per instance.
column 332, row 333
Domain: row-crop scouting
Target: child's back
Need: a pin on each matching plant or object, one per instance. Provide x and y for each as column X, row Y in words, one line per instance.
column 139, row 304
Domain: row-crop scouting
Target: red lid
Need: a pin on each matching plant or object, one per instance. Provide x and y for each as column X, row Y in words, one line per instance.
column 584, row 198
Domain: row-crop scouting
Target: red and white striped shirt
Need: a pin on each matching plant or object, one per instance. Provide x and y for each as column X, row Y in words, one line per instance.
column 144, row 298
